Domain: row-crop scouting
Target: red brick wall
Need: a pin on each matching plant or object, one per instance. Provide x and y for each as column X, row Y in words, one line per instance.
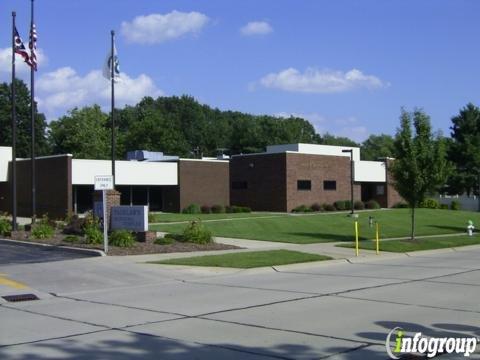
column 265, row 175
column 317, row 169
column 203, row 183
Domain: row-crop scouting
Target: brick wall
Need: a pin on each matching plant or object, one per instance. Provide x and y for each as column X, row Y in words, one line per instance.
column 53, row 187
column 203, row 183
column 265, row 178
column 317, row 169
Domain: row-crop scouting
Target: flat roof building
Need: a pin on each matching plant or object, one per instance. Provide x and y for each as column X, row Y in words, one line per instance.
column 280, row 179
column 287, row 176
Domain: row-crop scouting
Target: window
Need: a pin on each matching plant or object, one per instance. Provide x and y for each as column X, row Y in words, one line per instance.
column 304, row 185
column 380, row 190
column 239, row 185
column 329, row 185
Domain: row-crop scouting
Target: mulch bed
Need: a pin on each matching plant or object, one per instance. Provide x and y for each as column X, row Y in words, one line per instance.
column 140, row 248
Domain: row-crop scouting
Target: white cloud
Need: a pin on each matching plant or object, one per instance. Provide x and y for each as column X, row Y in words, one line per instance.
column 20, row 67
column 256, row 28
column 320, row 81
column 348, row 127
column 63, row 89
column 158, row 28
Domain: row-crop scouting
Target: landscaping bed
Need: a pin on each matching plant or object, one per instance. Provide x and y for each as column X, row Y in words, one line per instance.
column 138, row 248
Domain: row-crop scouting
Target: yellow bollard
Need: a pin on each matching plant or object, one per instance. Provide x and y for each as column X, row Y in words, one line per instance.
column 356, row 238
column 377, row 238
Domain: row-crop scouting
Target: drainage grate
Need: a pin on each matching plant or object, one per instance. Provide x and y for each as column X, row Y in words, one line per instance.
column 20, row 297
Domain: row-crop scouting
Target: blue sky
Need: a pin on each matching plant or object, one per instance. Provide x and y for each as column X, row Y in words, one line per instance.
column 347, row 66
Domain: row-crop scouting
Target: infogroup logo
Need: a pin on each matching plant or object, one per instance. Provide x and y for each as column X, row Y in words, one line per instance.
column 430, row 346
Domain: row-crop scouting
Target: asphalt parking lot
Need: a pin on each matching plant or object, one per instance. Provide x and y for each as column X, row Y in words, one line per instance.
column 123, row 308
column 26, row 254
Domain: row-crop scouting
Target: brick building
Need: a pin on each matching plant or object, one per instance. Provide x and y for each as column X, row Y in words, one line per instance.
column 286, row 176
column 280, row 179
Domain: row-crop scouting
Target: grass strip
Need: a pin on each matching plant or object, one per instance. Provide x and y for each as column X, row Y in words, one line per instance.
column 400, row 246
column 247, row 260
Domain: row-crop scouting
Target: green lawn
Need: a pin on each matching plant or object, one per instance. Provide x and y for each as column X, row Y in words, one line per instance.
column 175, row 217
column 247, row 260
column 306, row 229
column 420, row 244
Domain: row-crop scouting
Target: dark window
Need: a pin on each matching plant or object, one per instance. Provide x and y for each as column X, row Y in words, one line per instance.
column 329, row 185
column 239, row 185
column 304, row 185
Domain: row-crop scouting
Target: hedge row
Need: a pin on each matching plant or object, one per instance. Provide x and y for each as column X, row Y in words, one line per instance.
column 431, row 204
column 340, row 205
column 215, row 209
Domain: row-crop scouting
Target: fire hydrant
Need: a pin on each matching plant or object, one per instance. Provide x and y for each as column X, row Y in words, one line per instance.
column 470, row 228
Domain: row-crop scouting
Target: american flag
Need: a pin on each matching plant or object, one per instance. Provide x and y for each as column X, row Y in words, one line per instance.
column 19, row 48
column 33, row 47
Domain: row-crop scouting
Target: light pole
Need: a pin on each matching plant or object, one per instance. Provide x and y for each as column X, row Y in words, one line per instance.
column 351, row 177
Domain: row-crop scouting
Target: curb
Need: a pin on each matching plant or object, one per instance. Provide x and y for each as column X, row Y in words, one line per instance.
column 93, row 252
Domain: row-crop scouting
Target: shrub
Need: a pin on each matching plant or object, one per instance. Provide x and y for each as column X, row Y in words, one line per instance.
column 167, row 240
column 192, row 209
column 206, row 209
column 329, row 207
column 348, row 205
column 372, row 204
column 429, row 204
column 302, row 209
column 74, row 225
column 5, row 227
column 238, row 209
column 316, row 207
column 455, row 205
column 401, row 205
column 121, row 238
column 196, row 233
column 42, row 230
column 91, row 229
column 218, row 209
column 444, row 206
column 72, row 239
column 358, row 205
column 340, row 205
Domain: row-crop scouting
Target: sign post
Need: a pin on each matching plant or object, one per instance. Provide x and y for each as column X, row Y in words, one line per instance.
column 104, row 183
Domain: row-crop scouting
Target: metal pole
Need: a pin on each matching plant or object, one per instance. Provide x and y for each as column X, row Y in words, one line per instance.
column 112, row 75
column 32, row 125
column 351, row 182
column 105, row 221
column 14, row 133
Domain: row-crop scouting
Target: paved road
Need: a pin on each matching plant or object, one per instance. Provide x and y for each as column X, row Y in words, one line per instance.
column 21, row 254
column 122, row 308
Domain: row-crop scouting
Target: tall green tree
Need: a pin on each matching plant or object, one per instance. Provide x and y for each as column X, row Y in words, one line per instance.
column 420, row 166
column 329, row 139
column 82, row 132
column 464, row 151
column 377, row 146
column 23, row 121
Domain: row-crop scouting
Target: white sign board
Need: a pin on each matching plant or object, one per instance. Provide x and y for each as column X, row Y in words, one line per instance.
column 133, row 218
column 104, row 182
